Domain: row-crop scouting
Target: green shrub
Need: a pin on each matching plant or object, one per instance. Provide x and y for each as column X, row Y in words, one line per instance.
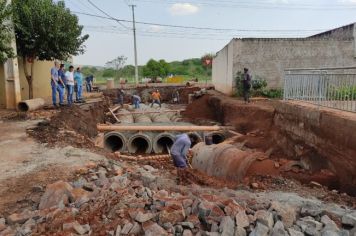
column 343, row 93
column 258, row 87
column 273, row 93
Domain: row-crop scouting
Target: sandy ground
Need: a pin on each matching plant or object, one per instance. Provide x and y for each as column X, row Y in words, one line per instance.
column 25, row 163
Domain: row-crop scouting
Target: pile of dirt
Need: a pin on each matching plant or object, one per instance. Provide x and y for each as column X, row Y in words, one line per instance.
column 71, row 125
column 199, row 109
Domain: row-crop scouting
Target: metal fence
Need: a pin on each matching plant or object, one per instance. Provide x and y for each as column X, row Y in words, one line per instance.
column 329, row 87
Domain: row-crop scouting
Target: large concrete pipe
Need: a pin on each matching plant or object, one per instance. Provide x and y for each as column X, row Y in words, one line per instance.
column 126, row 117
column 140, row 143
column 198, row 137
column 159, row 118
column 228, row 162
column 115, row 141
column 162, row 141
column 217, row 137
column 141, row 118
column 31, row 105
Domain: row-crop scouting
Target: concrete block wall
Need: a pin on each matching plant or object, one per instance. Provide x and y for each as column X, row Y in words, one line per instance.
column 268, row 58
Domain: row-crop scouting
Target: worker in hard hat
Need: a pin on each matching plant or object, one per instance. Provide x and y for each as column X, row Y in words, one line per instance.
column 179, row 153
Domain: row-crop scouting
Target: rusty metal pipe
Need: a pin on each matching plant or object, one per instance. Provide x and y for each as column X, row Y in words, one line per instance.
column 102, row 127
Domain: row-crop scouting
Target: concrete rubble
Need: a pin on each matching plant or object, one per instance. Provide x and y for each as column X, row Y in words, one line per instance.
column 131, row 201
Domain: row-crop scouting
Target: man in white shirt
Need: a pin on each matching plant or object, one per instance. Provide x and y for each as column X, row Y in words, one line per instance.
column 70, row 85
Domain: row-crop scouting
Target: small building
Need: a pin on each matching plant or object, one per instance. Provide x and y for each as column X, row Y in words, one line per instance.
column 267, row 58
column 41, row 82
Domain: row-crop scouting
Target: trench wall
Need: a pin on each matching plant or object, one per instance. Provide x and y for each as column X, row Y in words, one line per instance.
column 320, row 138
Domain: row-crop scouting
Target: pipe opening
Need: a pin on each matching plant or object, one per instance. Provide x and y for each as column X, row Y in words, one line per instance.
column 140, row 145
column 217, row 138
column 163, row 143
column 114, row 143
column 22, row 106
column 197, row 138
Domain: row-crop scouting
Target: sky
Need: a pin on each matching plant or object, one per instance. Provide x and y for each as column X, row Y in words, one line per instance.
column 228, row 18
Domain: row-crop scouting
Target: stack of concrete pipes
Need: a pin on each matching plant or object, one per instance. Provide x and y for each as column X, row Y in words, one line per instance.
column 150, row 141
column 126, row 117
column 146, row 142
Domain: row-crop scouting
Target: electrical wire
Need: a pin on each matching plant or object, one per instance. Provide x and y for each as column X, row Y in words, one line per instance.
column 197, row 28
column 91, row 3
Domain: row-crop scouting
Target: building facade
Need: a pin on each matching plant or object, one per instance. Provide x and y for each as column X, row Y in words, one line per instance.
column 41, row 82
column 267, row 58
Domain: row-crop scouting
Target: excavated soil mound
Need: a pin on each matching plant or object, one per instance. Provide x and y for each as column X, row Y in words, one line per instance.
column 200, row 109
column 72, row 125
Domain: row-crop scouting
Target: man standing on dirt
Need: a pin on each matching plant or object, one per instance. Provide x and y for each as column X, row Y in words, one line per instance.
column 70, row 85
column 246, row 85
column 78, row 78
column 156, row 98
column 179, row 153
column 136, row 101
column 55, row 85
column 121, row 97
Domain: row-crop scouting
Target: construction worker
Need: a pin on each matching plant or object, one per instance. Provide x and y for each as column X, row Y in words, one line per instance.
column 156, row 98
column 179, row 153
column 175, row 96
column 246, row 85
column 120, row 97
column 136, row 101
column 55, row 85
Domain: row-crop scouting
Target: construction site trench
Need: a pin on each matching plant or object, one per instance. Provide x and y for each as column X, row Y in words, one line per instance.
column 270, row 162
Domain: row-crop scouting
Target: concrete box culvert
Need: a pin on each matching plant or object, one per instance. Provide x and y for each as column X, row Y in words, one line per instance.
column 162, row 141
column 115, row 141
column 140, row 143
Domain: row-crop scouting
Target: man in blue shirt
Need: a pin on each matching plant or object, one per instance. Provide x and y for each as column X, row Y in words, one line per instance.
column 89, row 82
column 55, row 85
column 136, row 101
column 78, row 79
column 179, row 152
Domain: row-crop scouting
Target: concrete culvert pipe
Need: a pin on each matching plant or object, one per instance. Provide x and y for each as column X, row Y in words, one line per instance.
column 115, row 141
column 162, row 141
column 197, row 137
column 228, row 162
column 31, row 105
column 142, row 118
column 217, row 137
column 140, row 143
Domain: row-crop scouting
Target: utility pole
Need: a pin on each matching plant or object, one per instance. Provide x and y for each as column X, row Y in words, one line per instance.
column 135, row 46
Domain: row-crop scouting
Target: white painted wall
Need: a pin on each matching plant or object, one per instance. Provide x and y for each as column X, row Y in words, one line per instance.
column 222, row 75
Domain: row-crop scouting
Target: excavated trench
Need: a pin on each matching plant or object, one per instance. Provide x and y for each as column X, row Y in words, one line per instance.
column 278, row 139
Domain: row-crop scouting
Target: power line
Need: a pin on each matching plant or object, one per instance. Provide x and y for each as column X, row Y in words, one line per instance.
column 91, row 3
column 197, row 28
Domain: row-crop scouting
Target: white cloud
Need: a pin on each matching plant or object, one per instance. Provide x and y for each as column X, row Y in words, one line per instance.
column 183, row 9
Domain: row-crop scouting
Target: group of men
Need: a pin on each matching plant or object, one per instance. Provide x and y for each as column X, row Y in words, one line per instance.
column 68, row 82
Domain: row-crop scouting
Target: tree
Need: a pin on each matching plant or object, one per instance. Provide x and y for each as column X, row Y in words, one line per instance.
column 45, row 30
column 207, row 60
column 117, row 63
column 154, row 69
column 5, row 32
